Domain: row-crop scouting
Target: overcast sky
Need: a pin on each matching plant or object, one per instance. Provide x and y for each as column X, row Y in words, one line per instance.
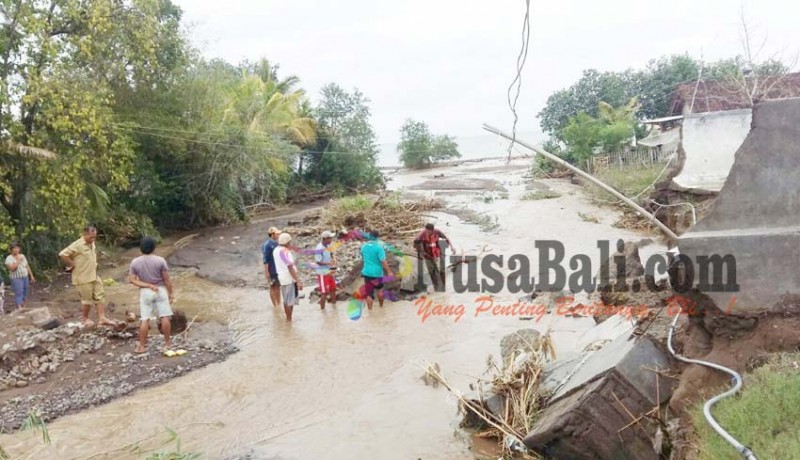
column 450, row 62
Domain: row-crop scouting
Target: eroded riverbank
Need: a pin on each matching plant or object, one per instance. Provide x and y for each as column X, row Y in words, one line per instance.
column 326, row 386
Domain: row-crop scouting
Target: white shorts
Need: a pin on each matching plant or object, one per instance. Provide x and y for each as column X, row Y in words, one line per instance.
column 154, row 305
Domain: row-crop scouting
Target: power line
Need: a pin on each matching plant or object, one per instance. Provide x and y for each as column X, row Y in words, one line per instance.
column 523, row 56
column 143, row 130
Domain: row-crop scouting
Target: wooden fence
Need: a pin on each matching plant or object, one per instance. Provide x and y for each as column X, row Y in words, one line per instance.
column 639, row 158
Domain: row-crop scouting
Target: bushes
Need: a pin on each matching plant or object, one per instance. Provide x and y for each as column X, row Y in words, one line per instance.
column 125, row 228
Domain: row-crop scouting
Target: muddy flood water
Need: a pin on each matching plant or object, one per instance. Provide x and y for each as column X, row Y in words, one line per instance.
column 326, row 387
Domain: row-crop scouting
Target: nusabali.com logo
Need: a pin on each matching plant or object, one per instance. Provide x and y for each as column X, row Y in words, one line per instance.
column 711, row 273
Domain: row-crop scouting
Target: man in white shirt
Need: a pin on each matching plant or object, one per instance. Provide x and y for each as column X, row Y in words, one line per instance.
column 287, row 274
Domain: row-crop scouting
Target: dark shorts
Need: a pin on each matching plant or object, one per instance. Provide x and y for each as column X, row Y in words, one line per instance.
column 273, row 280
column 371, row 284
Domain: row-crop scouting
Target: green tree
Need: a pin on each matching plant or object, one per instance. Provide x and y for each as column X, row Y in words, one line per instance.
column 582, row 137
column 346, row 151
column 62, row 61
column 610, row 131
column 584, row 96
column 420, row 149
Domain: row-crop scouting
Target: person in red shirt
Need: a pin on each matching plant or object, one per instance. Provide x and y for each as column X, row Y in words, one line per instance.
column 429, row 248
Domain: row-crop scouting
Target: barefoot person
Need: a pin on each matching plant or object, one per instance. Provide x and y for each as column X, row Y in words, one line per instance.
column 21, row 275
column 267, row 250
column 150, row 274
column 287, row 274
column 326, row 261
column 80, row 258
column 375, row 265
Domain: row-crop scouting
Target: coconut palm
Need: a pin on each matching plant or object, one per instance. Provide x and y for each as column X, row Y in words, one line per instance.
column 262, row 109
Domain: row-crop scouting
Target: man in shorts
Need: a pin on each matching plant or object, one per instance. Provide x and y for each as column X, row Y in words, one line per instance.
column 375, row 265
column 326, row 262
column 80, row 258
column 267, row 249
column 150, row 274
column 287, row 274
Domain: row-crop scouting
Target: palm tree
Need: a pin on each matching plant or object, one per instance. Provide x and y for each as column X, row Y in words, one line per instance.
column 263, row 109
column 625, row 113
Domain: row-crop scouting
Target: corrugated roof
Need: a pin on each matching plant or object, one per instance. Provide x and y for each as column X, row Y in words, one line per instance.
column 663, row 119
column 673, row 136
column 717, row 96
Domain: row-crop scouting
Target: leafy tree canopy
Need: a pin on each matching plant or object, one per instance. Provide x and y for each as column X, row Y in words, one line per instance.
column 419, row 148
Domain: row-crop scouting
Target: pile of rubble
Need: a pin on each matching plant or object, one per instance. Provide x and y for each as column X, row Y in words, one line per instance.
column 396, row 221
column 34, row 354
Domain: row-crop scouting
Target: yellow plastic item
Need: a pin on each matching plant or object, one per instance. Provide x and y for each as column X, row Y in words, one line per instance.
column 180, row 352
column 169, row 353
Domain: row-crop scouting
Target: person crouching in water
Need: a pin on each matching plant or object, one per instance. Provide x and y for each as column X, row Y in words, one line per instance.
column 150, row 274
column 287, row 274
column 326, row 261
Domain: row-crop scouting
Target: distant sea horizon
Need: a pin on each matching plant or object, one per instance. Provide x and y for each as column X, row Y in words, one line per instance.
column 471, row 147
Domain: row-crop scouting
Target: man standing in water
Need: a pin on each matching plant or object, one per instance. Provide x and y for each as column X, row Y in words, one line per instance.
column 428, row 248
column 80, row 258
column 267, row 250
column 375, row 265
column 326, row 261
column 287, row 274
column 150, row 274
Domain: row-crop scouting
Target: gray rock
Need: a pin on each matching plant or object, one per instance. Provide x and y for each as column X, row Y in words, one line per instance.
column 22, row 383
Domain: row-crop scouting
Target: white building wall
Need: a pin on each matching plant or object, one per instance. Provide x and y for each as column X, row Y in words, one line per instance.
column 710, row 141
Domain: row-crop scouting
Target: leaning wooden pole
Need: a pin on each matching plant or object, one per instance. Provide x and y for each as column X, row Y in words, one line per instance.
column 673, row 238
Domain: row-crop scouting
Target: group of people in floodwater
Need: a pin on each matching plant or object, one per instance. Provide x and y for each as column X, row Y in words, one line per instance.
column 283, row 278
column 150, row 273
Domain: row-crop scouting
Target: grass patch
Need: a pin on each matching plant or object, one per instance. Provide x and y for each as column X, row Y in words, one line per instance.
column 628, row 181
column 540, row 195
column 393, row 201
column 352, row 204
column 764, row 416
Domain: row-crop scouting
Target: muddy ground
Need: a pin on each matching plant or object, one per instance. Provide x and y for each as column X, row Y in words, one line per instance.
column 64, row 370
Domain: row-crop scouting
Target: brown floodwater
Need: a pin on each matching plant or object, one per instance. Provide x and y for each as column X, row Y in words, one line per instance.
column 327, row 387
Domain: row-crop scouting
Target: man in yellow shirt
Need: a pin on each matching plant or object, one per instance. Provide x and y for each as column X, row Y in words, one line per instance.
column 81, row 260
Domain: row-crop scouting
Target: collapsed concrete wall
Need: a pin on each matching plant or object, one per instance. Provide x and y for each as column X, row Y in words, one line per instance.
column 710, row 141
column 755, row 216
column 598, row 402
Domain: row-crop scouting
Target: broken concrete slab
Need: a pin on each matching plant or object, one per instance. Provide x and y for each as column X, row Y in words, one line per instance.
column 629, row 358
column 494, row 405
column 555, row 373
column 595, row 422
column 614, row 327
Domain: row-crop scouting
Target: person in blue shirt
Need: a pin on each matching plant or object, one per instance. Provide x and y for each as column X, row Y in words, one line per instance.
column 375, row 265
column 269, row 266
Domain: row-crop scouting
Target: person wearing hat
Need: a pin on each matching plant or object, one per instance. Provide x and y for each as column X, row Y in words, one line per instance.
column 326, row 262
column 267, row 250
column 287, row 274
